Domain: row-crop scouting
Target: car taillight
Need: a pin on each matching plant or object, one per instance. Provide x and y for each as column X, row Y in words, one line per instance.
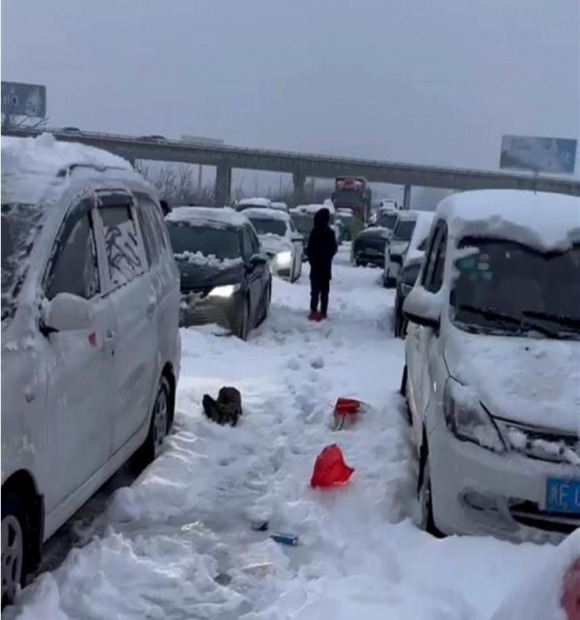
column 571, row 592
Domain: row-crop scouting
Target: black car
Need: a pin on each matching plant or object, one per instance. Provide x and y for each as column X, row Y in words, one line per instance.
column 405, row 282
column 225, row 277
column 369, row 244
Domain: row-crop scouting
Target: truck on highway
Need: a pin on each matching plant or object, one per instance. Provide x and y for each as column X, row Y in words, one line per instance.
column 353, row 194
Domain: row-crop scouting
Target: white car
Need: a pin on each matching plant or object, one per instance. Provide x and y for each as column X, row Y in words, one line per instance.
column 305, row 212
column 492, row 365
column 410, row 231
column 90, row 338
column 280, row 240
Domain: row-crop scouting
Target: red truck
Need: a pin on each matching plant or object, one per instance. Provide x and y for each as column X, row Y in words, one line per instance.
column 353, row 194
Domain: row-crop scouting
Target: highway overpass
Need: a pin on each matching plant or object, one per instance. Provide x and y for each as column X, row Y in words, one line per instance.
column 302, row 165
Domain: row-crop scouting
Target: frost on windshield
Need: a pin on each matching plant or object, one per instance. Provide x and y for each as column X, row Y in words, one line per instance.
column 20, row 226
column 122, row 245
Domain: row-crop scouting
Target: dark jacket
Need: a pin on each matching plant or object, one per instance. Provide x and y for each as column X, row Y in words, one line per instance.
column 321, row 247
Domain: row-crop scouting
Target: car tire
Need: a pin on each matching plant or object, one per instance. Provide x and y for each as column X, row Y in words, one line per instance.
column 16, row 546
column 159, row 426
column 425, row 494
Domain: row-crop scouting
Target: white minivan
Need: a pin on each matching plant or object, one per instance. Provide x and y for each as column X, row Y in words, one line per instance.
column 90, row 338
column 492, row 365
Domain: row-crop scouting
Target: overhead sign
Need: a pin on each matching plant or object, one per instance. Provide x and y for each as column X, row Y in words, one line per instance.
column 23, row 99
column 553, row 155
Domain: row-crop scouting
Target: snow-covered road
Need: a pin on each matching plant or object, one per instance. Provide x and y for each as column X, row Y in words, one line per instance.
column 178, row 544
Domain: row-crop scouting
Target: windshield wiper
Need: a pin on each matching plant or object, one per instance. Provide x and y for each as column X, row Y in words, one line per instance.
column 562, row 319
column 502, row 317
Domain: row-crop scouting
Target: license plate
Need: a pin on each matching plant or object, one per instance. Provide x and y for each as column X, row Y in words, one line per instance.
column 563, row 495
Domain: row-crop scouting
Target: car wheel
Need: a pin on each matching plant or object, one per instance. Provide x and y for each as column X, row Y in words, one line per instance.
column 15, row 546
column 158, row 427
column 425, row 494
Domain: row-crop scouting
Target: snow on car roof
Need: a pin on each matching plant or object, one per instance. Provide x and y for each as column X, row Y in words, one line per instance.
column 313, row 208
column 542, row 220
column 30, row 166
column 201, row 216
column 262, row 202
column 267, row 214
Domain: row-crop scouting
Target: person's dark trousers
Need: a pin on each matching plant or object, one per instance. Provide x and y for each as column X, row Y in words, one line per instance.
column 319, row 290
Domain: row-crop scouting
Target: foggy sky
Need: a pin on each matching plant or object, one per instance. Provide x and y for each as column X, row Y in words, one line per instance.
column 424, row 81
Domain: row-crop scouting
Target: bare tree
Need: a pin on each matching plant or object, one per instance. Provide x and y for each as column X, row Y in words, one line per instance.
column 178, row 184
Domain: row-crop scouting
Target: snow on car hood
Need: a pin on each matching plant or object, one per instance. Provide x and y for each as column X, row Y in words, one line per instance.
column 535, row 382
column 273, row 244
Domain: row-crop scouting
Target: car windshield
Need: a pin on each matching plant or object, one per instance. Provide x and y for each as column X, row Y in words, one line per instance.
column 410, row 273
column 387, row 220
column 223, row 243
column 347, row 198
column 20, row 227
column 506, row 287
column 404, row 230
column 265, row 226
column 304, row 223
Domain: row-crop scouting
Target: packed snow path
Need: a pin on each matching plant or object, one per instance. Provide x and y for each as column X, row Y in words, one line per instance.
column 178, row 544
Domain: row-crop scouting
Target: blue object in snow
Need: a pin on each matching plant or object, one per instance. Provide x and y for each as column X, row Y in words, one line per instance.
column 285, row 539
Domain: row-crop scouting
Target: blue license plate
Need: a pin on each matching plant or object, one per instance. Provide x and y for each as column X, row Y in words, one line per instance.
column 563, row 495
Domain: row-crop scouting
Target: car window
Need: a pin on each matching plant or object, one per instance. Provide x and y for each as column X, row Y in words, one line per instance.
column 152, row 227
column 432, row 244
column 75, row 268
column 437, row 266
column 122, row 242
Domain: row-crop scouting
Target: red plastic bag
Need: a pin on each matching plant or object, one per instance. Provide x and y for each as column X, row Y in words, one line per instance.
column 346, row 406
column 330, row 468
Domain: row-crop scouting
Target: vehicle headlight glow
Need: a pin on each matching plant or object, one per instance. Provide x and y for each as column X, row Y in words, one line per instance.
column 284, row 258
column 227, row 290
column 468, row 420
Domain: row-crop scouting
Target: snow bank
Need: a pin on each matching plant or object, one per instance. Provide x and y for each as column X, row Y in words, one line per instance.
column 197, row 258
column 540, row 597
column 32, row 165
column 541, row 220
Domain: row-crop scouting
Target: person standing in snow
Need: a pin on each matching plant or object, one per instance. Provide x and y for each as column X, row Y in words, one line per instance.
column 321, row 250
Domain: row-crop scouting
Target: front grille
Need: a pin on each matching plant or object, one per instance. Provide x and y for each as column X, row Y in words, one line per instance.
column 528, row 513
column 542, row 444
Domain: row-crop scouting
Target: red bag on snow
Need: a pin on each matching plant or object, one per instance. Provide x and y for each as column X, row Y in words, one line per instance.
column 346, row 406
column 330, row 468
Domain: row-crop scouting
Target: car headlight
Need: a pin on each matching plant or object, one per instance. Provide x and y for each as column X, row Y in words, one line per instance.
column 467, row 418
column 227, row 290
column 284, row 258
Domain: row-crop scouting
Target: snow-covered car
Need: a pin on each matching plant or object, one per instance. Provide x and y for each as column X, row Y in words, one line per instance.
column 553, row 590
column 407, row 276
column 253, row 203
column 405, row 282
column 90, row 335
column 410, row 230
column 280, row 206
column 492, row 365
column 371, row 244
column 283, row 244
column 225, row 278
column 303, row 217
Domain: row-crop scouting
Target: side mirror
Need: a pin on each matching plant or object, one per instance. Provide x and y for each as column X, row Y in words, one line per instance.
column 67, row 313
column 423, row 308
column 258, row 259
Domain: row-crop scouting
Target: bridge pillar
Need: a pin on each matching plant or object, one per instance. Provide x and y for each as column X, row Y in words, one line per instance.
column 407, row 198
column 299, row 181
column 223, row 186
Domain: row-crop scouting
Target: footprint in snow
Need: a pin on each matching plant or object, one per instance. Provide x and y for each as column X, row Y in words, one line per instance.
column 294, row 364
column 317, row 362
